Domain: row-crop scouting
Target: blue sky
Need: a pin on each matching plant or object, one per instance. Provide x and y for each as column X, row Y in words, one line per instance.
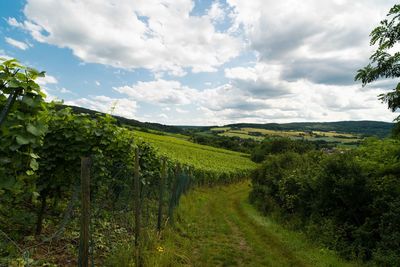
column 201, row 62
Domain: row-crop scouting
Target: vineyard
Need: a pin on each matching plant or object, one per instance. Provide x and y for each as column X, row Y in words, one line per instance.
column 213, row 160
column 133, row 180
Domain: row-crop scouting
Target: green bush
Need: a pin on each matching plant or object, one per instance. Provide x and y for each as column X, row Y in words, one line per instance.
column 349, row 200
column 280, row 145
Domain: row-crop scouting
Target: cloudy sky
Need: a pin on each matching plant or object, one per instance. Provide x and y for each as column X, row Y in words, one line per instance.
column 198, row 62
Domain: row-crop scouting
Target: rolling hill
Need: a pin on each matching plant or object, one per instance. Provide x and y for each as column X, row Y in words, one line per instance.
column 365, row 128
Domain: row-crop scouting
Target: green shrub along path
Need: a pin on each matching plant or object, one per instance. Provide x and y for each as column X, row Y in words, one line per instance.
column 218, row 227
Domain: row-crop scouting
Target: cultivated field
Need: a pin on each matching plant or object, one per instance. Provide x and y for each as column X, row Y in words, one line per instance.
column 261, row 134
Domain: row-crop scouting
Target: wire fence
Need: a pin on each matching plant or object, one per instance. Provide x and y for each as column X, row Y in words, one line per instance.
column 100, row 214
column 128, row 209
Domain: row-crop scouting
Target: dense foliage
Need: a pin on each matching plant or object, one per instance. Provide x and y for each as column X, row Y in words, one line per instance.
column 225, row 142
column 280, row 145
column 24, row 124
column 349, row 200
column 53, row 208
column 384, row 62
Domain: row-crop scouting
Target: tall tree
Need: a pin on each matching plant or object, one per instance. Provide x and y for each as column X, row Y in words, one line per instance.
column 385, row 61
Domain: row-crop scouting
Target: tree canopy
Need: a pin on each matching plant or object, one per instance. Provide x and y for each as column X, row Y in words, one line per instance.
column 385, row 61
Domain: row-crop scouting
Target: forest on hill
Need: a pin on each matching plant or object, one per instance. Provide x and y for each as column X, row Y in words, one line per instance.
column 367, row 128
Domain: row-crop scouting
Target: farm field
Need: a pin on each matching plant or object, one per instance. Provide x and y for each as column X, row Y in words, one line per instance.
column 261, row 134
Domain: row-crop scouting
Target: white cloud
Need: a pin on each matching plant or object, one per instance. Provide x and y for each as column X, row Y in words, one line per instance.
column 48, row 79
column 116, row 106
column 261, row 81
column 4, row 55
column 44, row 82
column 257, row 94
column 13, row 22
column 307, row 53
column 322, row 41
column 182, row 111
column 237, row 101
column 65, row 91
column 216, row 12
column 16, row 43
column 157, row 35
column 159, row 92
column 307, row 56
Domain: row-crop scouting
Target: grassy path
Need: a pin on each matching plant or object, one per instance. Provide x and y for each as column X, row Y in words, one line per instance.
column 218, row 227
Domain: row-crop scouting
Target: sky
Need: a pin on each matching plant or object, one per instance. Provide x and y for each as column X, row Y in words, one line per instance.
column 194, row 62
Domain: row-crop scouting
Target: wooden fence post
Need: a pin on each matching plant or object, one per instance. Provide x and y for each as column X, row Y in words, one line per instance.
column 161, row 193
column 85, row 210
column 174, row 193
column 137, row 206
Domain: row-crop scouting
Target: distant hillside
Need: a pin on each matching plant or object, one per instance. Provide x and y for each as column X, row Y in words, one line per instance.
column 131, row 122
column 368, row 128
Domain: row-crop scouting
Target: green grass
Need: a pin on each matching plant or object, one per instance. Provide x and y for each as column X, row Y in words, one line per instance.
column 242, row 135
column 218, row 227
column 177, row 135
column 199, row 156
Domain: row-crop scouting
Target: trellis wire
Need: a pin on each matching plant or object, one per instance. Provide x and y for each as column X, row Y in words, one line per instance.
column 141, row 202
